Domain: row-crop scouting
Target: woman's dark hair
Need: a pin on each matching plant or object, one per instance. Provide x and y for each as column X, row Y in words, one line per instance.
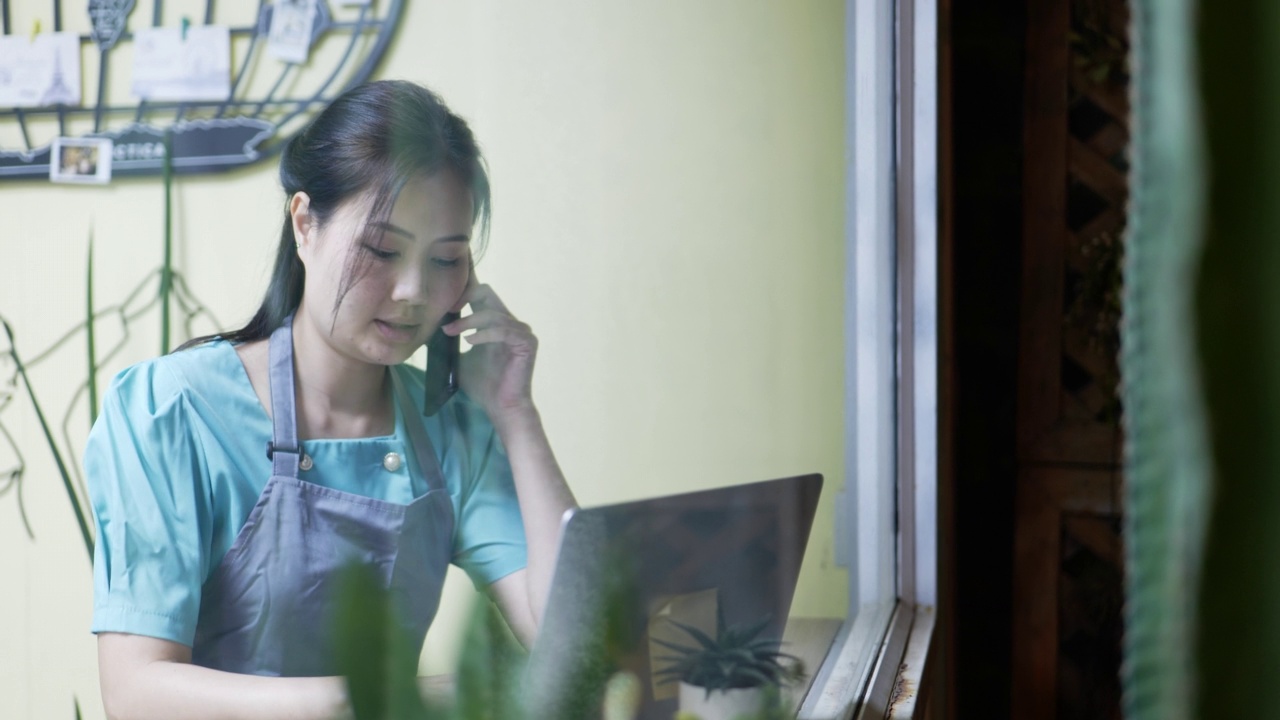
column 373, row 138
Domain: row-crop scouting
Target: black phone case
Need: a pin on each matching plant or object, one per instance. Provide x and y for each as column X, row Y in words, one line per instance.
column 442, row 368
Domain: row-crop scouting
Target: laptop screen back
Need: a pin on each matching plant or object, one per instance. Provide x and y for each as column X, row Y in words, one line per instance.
column 625, row 572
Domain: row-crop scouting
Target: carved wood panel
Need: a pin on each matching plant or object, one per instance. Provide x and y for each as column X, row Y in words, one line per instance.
column 1068, row 569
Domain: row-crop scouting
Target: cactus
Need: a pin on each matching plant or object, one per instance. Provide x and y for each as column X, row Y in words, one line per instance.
column 1166, row 466
column 1200, row 350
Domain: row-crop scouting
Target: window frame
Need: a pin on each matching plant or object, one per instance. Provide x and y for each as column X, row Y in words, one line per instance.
column 891, row 315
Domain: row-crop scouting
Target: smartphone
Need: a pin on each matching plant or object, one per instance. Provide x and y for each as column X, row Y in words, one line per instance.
column 442, row 368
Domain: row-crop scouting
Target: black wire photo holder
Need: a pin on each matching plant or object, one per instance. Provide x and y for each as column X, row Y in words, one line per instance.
column 204, row 136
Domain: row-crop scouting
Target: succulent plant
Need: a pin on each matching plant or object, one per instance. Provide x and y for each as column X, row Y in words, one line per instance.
column 737, row 657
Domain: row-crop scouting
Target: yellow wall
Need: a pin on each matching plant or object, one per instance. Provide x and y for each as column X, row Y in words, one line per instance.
column 668, row 181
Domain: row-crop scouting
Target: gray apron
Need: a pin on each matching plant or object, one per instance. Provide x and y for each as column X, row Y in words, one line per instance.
column 267, row 609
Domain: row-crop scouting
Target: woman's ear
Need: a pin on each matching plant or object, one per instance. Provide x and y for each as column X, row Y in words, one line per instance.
column 303, row 220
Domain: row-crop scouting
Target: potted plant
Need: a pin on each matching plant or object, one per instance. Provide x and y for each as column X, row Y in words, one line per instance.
column 731, row 675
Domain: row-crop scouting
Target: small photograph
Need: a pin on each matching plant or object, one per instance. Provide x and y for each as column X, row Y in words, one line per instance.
column 81, row 160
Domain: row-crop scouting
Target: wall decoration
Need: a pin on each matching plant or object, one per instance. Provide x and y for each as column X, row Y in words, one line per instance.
column 39, row 72
column 81, row 160
column 291, row 25
column 178, row 83
column 181, row 63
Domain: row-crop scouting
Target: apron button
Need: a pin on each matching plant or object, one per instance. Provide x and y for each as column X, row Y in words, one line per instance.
column 305, row 463
column 391, row 462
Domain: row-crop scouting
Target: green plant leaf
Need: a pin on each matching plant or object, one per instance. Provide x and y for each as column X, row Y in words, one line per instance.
column 90, row 337
column 491, row 668
column 363, row 612
column 772, row 705
column 756, row 677
column 166, row 271
column 673, row 646
column 373, row 652
column 76, row 507
column 703, row 639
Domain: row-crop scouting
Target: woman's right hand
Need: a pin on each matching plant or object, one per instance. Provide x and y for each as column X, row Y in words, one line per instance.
column 144, row 678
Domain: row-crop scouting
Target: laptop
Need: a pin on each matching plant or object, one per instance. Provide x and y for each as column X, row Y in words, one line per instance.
column 627, row 573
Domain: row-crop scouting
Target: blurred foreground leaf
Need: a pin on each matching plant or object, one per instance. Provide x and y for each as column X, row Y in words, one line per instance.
column 380, row 665
column 491, row 669
column 374, row 653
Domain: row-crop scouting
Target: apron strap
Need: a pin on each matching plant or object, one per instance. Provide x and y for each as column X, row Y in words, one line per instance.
column 422, row 447
column 284, row 449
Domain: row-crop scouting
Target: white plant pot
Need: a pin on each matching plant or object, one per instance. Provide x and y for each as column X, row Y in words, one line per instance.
column 721, row 704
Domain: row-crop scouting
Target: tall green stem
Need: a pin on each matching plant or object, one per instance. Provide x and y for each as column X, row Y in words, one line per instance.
column 91, row 338
column 166, row 272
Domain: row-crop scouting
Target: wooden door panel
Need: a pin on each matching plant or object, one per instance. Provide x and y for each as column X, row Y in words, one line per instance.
column 1067, row 556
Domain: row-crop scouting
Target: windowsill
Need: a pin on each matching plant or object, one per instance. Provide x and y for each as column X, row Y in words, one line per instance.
column 811, row 640
column 875, row 668
column 909, row 698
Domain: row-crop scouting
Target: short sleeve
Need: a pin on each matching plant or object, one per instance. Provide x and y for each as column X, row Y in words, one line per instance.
column 489, row 540
column 145, row 472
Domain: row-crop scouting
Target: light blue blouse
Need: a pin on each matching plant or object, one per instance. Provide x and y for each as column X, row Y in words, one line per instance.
column 177, row 460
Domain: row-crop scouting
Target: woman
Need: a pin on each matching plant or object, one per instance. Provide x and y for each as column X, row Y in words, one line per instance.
column 215, row 560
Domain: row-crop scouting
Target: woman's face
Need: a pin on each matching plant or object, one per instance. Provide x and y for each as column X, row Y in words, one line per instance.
column 408, row 274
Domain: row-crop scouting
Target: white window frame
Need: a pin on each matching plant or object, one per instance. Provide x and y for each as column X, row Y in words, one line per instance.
column 891, row 351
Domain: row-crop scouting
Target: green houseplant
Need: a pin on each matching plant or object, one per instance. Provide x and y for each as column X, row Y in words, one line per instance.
column 737, row 673
column 489, row 684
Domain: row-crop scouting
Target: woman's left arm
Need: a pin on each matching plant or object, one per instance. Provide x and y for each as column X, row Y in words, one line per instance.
column 544, row 498
column 497, row 373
